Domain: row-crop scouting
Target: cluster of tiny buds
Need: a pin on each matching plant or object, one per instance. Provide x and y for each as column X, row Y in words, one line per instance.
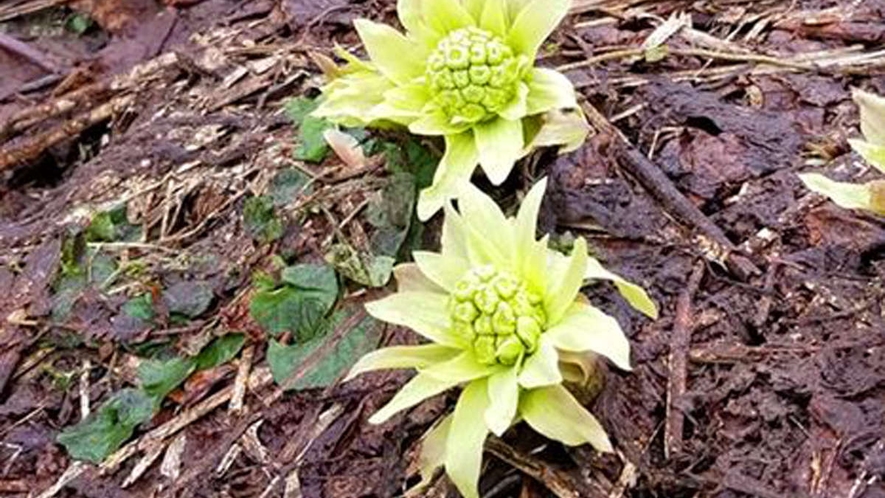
column 473, row 74
column 497, row 313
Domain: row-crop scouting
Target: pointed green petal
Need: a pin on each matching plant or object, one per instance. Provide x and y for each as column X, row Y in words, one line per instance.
column 846, row 195
column 494, row 17
column 453, row 172
column 555, row 413
column 634, row 294
column 514, row 7
column 462, row 368
column 500, row 145
column 549, row 89
column 541, row 368
column 402, row 357
column 454, row 235
column 532, row 259
column 446, row 16
column 872, row 116
column 527, row 217
column 386, row 47
column 533, row 265
column 423, row 312
column 518, row 107
column 415, row 391
column 435, row 123
column 411, row 16
column 446, row 272
column 566, row 129
column 585, row 328
column 874, row 154
column 410, row 279
column 433, row 450
column 351, row 100
column 475, row 8
column 406, row 101
column 466, row 438
column 564, row 285
column 534, row 24
column 504, row 399
column 490, row 235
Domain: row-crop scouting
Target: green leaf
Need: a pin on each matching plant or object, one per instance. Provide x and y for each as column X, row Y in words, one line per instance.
column 189, row 298
column 160, row 377
column 392, row 217
column 111, row 225
column 314, row 281
column 140, row 307
column 363, row 268
column 312, row 142
column 284, row 310
column 106, row 429
column 79, row 23
column 300, row 305
column 323, row 359
column 220, row 351
column 287, row 186
column 299, row 108
column 261, row 220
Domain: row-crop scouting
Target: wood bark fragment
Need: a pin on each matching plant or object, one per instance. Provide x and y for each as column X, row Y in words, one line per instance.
column 30, row 149
column 554, row 480
column 680, row 342
column 719, row 248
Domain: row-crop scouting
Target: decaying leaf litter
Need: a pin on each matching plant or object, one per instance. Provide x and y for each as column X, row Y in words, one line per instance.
column 156, row 206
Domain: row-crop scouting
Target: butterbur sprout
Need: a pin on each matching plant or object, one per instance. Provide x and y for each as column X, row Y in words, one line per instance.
column 463, row 71
column 505, row 318
column 868, row 196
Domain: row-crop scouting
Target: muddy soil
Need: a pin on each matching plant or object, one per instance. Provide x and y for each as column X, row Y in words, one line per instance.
column 764, row 376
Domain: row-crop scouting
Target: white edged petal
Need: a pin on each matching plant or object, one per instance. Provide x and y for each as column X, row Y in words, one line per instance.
column 555, row 413
column 466, row 438
column 504, row 399
column 586, row 328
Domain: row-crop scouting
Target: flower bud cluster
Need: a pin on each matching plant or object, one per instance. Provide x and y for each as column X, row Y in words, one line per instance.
column 473, row 74
column 497, row 313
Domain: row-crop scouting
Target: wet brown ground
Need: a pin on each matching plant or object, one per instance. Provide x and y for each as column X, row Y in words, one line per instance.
column 764, row 376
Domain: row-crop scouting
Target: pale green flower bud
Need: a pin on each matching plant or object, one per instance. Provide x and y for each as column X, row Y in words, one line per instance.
column 495, row 312
column 504, row 321
column 509, row 350
column 528, row 331
column 477, row 65
column 484, row 347
column 465, row 312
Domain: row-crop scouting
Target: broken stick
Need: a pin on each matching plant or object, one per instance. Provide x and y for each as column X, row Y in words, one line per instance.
column 656, row 182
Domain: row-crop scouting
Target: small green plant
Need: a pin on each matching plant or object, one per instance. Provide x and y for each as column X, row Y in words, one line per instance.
column 869, row 196
column 506, row 319
column 464, row 71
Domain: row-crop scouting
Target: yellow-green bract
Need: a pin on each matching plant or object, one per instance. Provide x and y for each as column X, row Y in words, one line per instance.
column 464, row 71
column 868, row 196
column 504, row 317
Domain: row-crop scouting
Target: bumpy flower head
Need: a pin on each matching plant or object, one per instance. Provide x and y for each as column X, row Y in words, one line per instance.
column 473, row 75
column 869, row 196
column 498, row 314
column 505, row 318
column 463, row 71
